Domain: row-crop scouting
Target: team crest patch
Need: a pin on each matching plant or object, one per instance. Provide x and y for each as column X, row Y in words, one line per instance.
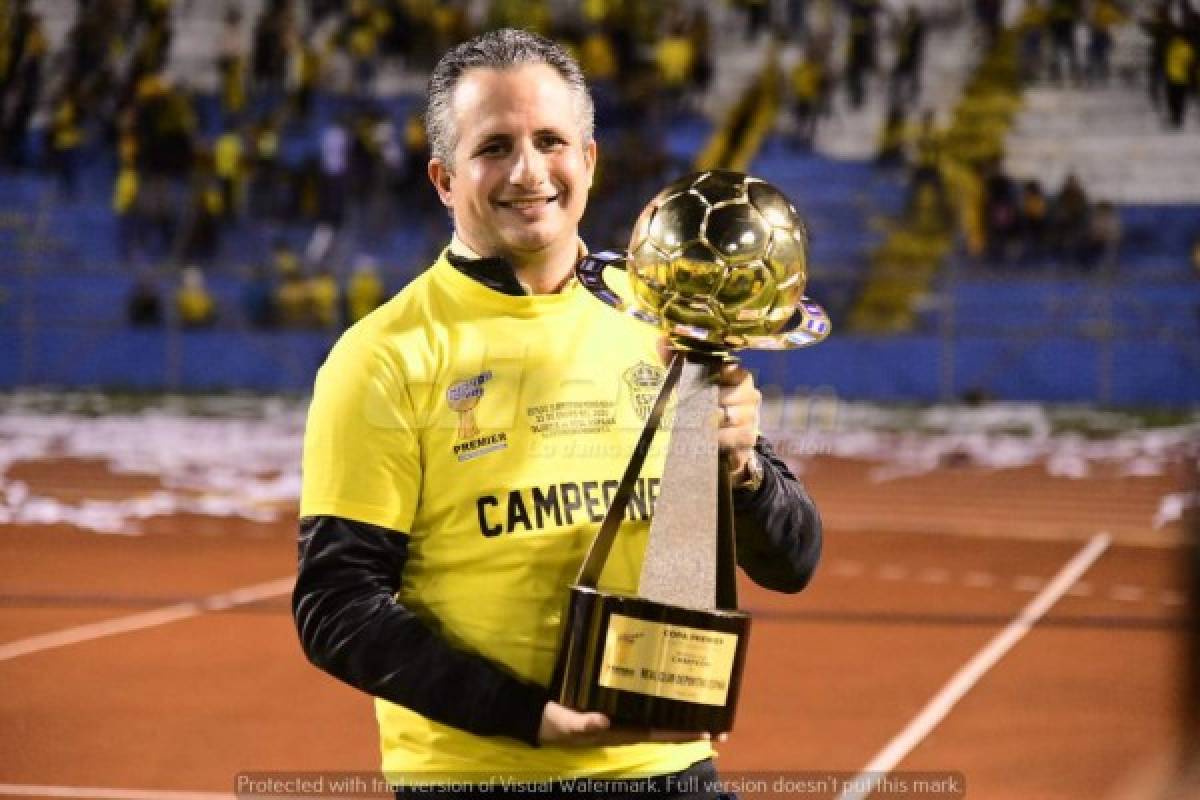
column 643, row 381
column 463, row 397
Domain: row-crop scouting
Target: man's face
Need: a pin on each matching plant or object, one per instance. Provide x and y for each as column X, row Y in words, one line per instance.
column 521, row 173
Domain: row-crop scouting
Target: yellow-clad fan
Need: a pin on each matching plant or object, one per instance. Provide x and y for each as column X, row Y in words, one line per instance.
column 193, row 302
column 364, row 292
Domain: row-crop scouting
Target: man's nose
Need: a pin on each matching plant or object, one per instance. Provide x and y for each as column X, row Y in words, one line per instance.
column 529, row 169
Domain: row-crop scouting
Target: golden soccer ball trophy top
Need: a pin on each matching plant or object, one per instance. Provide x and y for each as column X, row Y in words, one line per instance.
column 719, row 261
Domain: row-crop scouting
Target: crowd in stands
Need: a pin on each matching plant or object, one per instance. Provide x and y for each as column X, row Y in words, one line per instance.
column 1174, row 71
column 955, row 172
column 277, row 296
column 1050, row 31
column 298, row 141
column 188, row 171
column 1004, row 222
column 1024, row 226
column 814, row 79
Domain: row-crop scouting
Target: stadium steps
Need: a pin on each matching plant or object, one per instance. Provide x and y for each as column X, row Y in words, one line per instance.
column 905, row 265
column 951, row 51
column 1112, row 137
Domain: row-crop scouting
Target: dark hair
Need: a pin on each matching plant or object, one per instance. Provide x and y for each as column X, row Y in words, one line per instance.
column 500, row 49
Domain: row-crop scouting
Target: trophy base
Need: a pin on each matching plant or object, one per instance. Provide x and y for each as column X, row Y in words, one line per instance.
column 649, row 664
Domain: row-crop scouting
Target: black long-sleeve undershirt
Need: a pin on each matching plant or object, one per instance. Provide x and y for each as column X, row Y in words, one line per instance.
column 778, row 527
column 351, row 626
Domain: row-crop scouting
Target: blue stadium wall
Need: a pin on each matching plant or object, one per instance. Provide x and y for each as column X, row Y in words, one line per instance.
column 151, row 361
column 918, row 368
column 904, row 368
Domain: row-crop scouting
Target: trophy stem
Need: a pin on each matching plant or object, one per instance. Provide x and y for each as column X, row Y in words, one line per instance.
column 680, row 565
column 593, row 564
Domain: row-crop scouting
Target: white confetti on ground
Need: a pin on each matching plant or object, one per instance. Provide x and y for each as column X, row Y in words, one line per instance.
column 238, row 467
column 1172, row 507
column 906, row 443
column 239, row 457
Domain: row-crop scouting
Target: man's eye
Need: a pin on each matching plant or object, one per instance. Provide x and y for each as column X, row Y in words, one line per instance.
column 492, row 149
column 551, row 142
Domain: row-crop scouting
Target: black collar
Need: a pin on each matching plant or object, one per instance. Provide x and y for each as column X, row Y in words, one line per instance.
column 494, row 273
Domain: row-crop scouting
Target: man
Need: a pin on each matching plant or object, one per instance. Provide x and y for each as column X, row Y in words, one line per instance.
column 464, row 439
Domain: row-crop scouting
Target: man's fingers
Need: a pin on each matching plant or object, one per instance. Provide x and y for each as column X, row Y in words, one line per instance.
column 583, row 723
column 736, row 387
column 739, row 415
column 732, row 374
column 663, row 345
column 742, row 393
column 592, row 722
column 736, row 444
column 562, row 725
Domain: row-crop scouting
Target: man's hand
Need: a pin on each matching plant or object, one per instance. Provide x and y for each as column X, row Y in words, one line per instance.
column 568, row 728
column 740, row 403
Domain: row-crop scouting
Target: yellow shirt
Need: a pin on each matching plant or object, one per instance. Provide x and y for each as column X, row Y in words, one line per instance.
column 596, row 10
column 1179, row 60
column 493, row 429
column 125, row 189
column 227, row 154
column 323, row 297
column 67, row 133
column 806, row 80
column 597, row 58
column 363, row 295
column 1106, row 15
column 195, row 306
column 1032, row 18
column 293, row 301
column 674, row 55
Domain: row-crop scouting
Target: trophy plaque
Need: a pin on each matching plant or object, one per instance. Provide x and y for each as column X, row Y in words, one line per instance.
column 718, row 262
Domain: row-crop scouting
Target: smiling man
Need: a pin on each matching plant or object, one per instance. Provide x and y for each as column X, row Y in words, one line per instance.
column 462, row 442
column 516, row 171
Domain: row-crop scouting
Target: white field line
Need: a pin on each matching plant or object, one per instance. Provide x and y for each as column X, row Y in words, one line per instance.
column 1164, row 538
column 971, row 672
column 145, row 619
column 30, row 790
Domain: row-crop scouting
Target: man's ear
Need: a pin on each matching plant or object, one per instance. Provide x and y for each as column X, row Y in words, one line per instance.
column 589, row 158
column 439, row 176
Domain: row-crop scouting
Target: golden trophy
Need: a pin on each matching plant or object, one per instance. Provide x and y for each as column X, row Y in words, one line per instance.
column 718, row 262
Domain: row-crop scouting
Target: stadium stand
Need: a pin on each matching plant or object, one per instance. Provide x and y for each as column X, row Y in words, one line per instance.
column 1055, row 324
column 924, row 308
column 1111, row 136
column 72, row 256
